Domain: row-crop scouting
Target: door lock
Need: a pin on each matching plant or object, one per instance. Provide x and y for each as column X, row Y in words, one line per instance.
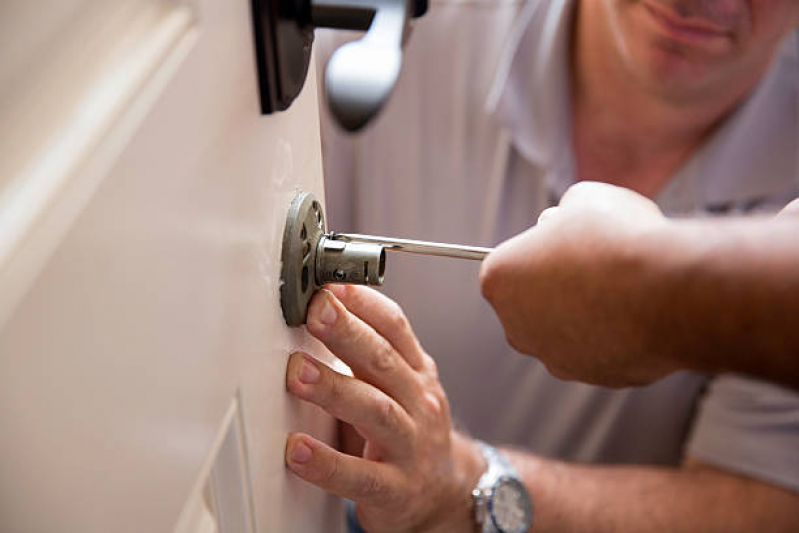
column 312, row 258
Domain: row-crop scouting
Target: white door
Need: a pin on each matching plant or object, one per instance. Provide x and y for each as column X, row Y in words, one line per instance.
column 142, row 204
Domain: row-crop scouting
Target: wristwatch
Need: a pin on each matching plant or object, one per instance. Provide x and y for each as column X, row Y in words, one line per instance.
column 501, row 502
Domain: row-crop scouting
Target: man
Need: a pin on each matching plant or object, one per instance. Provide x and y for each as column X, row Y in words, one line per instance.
column 738, row 279
column 449, row 172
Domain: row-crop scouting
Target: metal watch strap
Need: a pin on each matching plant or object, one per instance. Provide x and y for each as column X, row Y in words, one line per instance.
column 497, row 466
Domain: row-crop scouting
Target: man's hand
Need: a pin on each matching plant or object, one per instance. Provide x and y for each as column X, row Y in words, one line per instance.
column 607, row 291
column 570, row 291
column 415, row 473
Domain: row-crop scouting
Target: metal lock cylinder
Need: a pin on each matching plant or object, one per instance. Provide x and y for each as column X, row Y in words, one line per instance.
column 357, row 263
column 311, row 257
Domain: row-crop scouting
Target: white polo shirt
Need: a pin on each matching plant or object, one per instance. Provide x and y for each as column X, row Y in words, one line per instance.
column 440, row 164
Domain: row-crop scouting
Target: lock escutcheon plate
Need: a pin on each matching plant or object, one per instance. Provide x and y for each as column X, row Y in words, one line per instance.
column 311, row 258
column 305, row 226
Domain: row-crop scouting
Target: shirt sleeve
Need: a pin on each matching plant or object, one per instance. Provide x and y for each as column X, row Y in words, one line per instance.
column 749, row 427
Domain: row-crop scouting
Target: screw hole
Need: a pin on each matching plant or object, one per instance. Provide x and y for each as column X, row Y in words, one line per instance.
column 318, row 211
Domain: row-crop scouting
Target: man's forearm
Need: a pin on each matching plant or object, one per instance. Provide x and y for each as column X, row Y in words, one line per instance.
column 575, row 498
column 729, row 299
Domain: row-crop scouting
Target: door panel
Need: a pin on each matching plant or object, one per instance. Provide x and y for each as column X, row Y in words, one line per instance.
column 142, row 346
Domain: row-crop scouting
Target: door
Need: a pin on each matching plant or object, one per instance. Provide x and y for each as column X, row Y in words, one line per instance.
column 142, row 205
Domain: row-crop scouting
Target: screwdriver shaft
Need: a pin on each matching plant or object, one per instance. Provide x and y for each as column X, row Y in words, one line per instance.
column 459, row 251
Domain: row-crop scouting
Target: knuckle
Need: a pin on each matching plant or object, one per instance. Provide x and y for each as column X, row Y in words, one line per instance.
column 392, row 420
column 410, row 434
column 433, row 402
column 559, row 372
column 396, row 320
column 388, row 415
column 513, row 340
column 488, row 280
column 375, row 489
column 372, row 485
column 576, row 190
column 383, row 359
column 443, row 401
column 431, row 365
column 547, row 213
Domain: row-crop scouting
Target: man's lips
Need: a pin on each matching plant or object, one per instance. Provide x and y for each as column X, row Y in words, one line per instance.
column 691, row 29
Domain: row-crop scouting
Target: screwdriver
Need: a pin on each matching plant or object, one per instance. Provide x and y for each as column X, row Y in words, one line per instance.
column 439, row 249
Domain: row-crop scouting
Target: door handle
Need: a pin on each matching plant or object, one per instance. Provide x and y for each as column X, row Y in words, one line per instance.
column 360, row 75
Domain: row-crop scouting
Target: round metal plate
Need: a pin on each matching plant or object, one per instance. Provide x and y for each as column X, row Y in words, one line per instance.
column 305, row 225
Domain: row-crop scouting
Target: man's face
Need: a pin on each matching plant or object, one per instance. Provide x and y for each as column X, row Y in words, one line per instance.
column 690, row 48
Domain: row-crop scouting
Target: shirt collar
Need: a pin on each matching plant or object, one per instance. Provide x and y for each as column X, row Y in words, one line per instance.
column 530, row 94
column 752, row 155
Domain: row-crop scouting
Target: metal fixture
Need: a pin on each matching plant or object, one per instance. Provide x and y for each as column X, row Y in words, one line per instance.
column 355, row 263
column 312, row 258
column 305, row 225
column 439, row 249
column 359, row 76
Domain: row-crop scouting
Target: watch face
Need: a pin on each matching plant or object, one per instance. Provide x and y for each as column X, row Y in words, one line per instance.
column 509, row 506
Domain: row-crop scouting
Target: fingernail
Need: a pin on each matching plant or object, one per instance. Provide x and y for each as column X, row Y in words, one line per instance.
column 329, row 314
column 300, row 453
column 309, row 373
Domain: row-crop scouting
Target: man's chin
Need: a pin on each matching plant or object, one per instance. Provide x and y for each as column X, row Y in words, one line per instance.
column 672, row 73
column 669, row 64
